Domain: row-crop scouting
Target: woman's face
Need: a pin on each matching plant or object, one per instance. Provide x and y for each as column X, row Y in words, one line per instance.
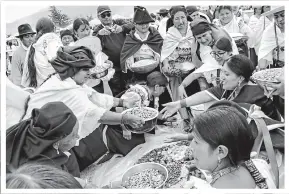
column 219, row 55
column 180, row 20
column 225, row 16
column 230, row 79
column 82, row 31
column 279, row 18
column 142, row 28
column 205, row 38
column 69, row 141
column 205, row 157
column 195, row 15
column 81, row 77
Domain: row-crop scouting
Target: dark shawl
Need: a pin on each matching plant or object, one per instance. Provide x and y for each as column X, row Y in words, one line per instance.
column 132, row 45
column 33, row 139
column 71, row 59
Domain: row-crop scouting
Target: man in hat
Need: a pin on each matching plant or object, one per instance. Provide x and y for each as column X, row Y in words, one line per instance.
column 26, row 35
column 272, row 47
column 112, row 38
column 66, row 37
column 164, row 15
column 144, row 42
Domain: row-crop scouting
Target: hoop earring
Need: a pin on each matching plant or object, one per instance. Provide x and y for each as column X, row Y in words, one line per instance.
column 56, row 146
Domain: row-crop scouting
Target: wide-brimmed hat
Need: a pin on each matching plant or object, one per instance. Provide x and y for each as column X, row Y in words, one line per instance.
column 24, row 29
column 163, row 11
column 274, row 9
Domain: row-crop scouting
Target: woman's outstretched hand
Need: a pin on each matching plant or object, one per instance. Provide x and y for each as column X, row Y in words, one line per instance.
column 170, row 109
column 176, row 137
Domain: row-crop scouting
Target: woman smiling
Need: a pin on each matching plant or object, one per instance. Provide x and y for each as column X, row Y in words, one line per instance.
column 236, row 86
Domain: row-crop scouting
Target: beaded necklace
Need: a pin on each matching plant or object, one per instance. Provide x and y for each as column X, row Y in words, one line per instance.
column 222, row 172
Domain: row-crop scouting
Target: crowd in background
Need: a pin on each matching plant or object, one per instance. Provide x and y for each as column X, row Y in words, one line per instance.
column 65, row 91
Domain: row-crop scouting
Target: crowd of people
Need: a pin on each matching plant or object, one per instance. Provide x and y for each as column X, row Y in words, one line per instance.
column 66, row 92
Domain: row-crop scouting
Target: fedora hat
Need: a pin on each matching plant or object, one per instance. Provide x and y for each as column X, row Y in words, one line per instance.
column 274, row 9
column 24, row 29
column 163, row 11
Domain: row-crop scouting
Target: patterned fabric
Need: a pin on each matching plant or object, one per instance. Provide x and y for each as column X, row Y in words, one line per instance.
column 257, row 176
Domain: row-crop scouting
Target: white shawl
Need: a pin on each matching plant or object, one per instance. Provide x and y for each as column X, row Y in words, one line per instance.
column 45, row 50
column 268, row 42
column 173, row 39
column 87, row 104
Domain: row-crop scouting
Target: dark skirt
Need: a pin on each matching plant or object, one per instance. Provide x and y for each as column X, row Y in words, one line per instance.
column 92, row 147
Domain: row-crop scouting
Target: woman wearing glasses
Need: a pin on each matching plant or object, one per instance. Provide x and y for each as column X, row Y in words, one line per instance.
column 221, row 52
column 235, row 86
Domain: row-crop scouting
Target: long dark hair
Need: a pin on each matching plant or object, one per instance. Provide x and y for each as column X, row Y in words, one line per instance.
column 78, row 22
column 43, row 26
column 234, row 132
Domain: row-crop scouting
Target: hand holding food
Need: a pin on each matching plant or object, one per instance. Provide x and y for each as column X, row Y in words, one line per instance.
column 278, row 88
column 132, row 120
column 270, row 80
column 104, row 32
column 130, row 102
column 116, row 29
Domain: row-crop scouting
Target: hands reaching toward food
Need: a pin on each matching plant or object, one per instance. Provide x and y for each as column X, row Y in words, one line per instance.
column 170, row 109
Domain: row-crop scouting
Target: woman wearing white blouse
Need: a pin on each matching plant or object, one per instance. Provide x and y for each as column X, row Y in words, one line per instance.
column 37, row 65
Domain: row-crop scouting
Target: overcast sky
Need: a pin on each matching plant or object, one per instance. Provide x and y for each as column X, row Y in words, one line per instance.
column 16, row 12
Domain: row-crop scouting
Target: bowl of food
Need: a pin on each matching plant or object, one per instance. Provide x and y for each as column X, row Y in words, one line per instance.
column 99, row 75
column 267, row 76
column 99, row 71
column 148, row 114
column 144, row 65
column 148, row 175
